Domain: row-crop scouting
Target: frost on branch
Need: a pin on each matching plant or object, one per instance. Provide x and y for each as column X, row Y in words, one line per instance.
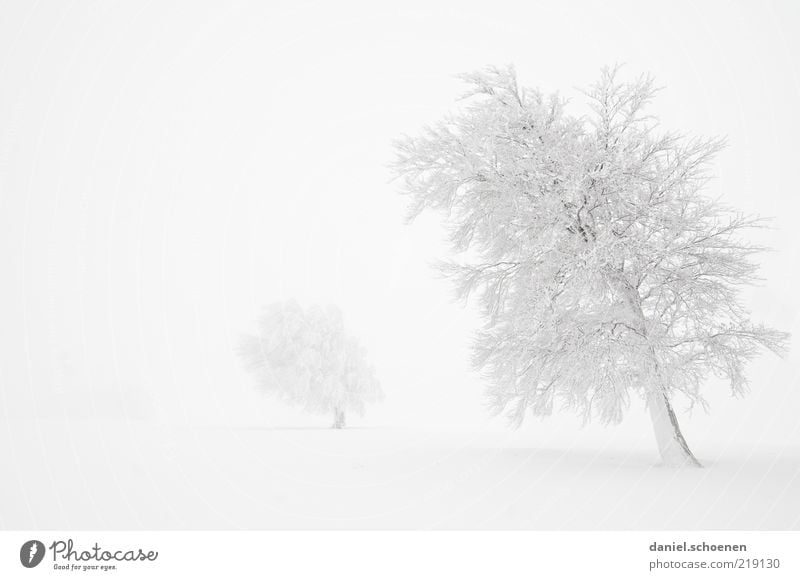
column 306, row 359
column 602, row 269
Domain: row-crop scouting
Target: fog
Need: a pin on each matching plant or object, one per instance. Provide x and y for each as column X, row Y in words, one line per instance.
column 168, row 169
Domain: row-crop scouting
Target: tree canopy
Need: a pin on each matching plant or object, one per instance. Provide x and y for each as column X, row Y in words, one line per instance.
column 602, row 267
column 305, row 358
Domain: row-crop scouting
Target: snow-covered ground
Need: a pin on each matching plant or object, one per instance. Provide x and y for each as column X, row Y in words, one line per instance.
column 110, row 475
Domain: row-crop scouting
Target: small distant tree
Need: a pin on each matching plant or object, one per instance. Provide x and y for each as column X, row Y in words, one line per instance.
column 602, row 269
column 306, row 359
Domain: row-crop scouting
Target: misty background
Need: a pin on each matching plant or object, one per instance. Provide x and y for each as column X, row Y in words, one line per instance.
column 167, row 169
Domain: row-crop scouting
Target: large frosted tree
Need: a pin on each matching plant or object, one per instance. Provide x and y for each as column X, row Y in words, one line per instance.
column 603, row 269
column 305, row 358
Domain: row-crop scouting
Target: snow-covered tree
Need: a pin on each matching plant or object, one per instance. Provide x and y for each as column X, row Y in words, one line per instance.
column 602, row 267
column 306, row 359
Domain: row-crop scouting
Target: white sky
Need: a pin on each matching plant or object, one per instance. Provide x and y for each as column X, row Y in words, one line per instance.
column 167, row 168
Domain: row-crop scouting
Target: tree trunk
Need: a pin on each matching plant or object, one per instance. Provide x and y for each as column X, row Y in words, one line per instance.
column 338, row 418
column 671, row 444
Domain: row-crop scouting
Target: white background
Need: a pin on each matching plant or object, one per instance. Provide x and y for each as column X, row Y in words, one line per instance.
column 168, row 168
